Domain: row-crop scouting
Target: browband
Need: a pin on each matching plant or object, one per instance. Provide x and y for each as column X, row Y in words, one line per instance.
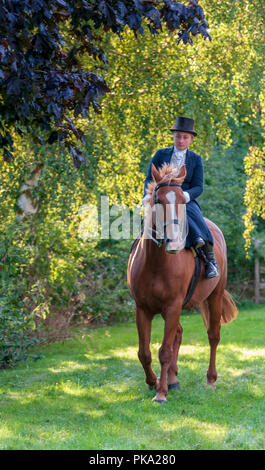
column 166, row 184
column 156, row 201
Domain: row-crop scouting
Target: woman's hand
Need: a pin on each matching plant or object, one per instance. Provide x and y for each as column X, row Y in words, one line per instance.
column 187, row 196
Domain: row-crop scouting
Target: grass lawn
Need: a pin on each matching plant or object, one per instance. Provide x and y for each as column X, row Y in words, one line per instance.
column 89, row 392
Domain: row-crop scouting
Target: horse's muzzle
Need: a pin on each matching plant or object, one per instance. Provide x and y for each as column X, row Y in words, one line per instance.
column 172, row 246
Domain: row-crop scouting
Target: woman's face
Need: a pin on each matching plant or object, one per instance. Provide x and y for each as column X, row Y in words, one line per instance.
column 182, row 140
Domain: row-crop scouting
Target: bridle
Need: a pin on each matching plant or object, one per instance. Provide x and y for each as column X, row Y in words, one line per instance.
column 165, row 224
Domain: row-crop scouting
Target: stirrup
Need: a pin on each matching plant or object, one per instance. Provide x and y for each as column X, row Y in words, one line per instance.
column 199, row 243
column 211, row 267
column 211, row 270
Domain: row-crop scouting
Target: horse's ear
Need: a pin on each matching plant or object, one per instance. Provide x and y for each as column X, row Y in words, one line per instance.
column 155, row 173
column 182, row 174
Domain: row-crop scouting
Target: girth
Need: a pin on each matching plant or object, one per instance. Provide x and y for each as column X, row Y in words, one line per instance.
column 195, row 277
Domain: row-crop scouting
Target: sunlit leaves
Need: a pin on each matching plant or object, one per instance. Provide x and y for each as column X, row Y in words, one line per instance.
column 254, row 198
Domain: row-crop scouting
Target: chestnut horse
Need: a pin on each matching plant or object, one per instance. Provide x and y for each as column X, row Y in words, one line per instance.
column 159, row 274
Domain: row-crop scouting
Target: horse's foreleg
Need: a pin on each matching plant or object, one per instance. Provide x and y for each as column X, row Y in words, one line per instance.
column 215, row 308
column 172, row 380
column 144, row 323
column 166, row 352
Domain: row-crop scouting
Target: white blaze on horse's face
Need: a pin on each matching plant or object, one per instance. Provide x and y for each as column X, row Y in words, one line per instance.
column 173, row 239
column 171, row 213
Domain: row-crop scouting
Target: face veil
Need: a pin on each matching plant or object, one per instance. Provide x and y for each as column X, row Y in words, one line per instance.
column 167, row 223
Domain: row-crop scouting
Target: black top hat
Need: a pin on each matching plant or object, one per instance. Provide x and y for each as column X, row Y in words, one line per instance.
column 184, row 124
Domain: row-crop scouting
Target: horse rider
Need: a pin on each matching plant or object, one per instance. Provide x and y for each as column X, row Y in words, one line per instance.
column 199, row 235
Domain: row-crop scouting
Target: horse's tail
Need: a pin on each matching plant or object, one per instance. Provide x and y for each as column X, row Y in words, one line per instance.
column 205, row 312
column 229, row 311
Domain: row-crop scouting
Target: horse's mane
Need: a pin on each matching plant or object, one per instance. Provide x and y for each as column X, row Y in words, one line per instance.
column 167, row 173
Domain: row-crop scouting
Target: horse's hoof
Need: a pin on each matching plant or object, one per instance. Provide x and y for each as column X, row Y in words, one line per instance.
column 211, row 384
column 157, row 400
column 160, row 398
column 175, row 386
column 152, row 387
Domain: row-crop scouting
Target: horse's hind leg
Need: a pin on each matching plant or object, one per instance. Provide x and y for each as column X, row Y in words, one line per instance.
column 144, row 323
column 173, row 383
column 215, row 302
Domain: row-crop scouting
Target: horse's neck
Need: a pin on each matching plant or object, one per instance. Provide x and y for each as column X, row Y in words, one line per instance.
column 155, row 256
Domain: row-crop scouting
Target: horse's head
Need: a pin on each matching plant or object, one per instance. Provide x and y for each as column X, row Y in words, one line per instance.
column 167, row 203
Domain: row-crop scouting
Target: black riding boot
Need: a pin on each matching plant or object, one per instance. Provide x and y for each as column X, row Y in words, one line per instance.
column 211, row 266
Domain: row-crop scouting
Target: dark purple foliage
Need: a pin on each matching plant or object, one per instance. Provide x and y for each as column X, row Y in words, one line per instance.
column 41, row 77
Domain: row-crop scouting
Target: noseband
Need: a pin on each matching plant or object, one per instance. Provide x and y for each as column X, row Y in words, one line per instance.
column 157, row 201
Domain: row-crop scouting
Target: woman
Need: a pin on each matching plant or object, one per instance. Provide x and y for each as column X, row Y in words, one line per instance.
column 199, row 235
